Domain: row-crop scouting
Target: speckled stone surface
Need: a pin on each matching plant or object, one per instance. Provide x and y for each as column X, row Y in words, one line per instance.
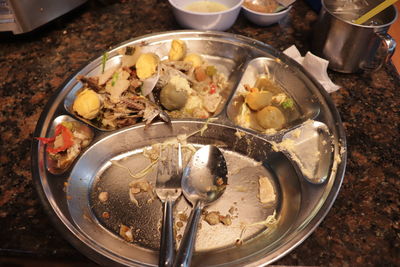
column 362, row 228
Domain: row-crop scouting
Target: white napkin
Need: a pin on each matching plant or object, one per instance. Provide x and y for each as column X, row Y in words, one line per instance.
column 316, row 66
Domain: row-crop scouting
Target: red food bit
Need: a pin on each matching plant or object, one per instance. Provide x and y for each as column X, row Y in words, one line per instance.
column 67, row 138
column 213, row 88
column 46, row 140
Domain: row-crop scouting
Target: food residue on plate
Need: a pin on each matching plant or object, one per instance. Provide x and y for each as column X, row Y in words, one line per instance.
column 136, row 187
column 270, row 222
column 265, row 107
column 105, row 215
column 140, row 184
column 266, row 190
column 214, row 218
column 103, row 196
column 69, row 138
column 239, row 134
column 186, row 86
column 126, row 233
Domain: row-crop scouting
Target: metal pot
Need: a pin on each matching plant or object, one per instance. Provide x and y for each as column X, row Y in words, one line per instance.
column 351, row 47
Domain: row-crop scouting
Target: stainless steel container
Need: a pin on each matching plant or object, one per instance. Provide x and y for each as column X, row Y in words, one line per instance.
column 352, row 47
column 21, row 16
column 302, row 201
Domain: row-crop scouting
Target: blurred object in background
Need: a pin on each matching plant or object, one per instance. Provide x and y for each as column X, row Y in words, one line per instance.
column 315, row 5
column 395, row 32
column 20, row 16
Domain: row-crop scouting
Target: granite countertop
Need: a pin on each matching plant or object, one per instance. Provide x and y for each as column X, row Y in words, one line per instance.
column 362, row 228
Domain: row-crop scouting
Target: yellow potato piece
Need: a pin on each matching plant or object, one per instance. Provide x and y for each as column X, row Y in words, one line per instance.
column 146, row 65
column 195, row 59
column 258, row 100
column 87, row 104
column 177, row 51
column 270, row 117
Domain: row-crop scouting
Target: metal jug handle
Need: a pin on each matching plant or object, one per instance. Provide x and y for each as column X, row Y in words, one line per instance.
column 388, row 45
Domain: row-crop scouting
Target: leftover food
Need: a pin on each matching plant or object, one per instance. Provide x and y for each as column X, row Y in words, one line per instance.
column 264, row 107
column 103, row 196
column 126, row 233
column 263, row 6
column 87, row 104
column 146, row 65
column 266, row 190
column 214, row 218
column 185, row 86
column 178, row 50
column 65, row 145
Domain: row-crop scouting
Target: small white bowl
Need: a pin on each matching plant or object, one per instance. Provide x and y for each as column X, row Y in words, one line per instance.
column 265, row 19
column 215, row 21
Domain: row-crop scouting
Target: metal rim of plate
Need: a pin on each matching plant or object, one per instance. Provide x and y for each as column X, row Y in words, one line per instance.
column 56, row 204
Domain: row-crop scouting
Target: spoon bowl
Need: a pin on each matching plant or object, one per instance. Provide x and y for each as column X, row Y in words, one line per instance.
column 204, row 181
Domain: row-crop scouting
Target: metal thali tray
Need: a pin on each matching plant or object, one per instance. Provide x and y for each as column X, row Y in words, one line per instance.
column 306, row 176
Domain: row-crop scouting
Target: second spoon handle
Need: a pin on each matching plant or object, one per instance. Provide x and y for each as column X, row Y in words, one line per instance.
column 184, row 255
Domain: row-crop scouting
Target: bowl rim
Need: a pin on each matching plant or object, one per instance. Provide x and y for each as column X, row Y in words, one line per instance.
column 285, row 10
column 238, row 5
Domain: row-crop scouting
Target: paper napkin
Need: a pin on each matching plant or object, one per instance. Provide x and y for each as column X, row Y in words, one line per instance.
column 316, row 66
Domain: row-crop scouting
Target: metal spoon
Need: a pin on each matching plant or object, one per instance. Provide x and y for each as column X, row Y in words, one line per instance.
column 204, row 181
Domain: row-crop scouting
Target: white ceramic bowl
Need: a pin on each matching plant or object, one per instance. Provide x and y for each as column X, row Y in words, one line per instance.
column 265, row 19
column 216, row 21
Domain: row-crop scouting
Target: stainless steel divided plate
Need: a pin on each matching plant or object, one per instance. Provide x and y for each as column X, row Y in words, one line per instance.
column 303, row 164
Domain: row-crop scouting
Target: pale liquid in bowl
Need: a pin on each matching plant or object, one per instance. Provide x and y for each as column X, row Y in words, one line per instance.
column 206, row 7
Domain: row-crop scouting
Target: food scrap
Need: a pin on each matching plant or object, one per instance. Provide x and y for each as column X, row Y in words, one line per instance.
column 140, row 184
column 264, row 107
column 65, row 145
column 178, row 50
column 136, row 187
column 126, row 233
column 187, row 87
column 103, row 196
column 266, row 190
column 146, row 65
column 214, row 218
column 269, row 222
column 87, row 104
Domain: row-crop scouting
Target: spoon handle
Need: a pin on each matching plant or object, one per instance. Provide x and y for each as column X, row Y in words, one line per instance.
column 184, row 255
column 167, row 245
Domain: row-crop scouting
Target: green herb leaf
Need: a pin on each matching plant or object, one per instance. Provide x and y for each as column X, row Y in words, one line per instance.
column 211, row 70
column 288, row 103
column 114, row 78
column 68, row 125
column 103, row 62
